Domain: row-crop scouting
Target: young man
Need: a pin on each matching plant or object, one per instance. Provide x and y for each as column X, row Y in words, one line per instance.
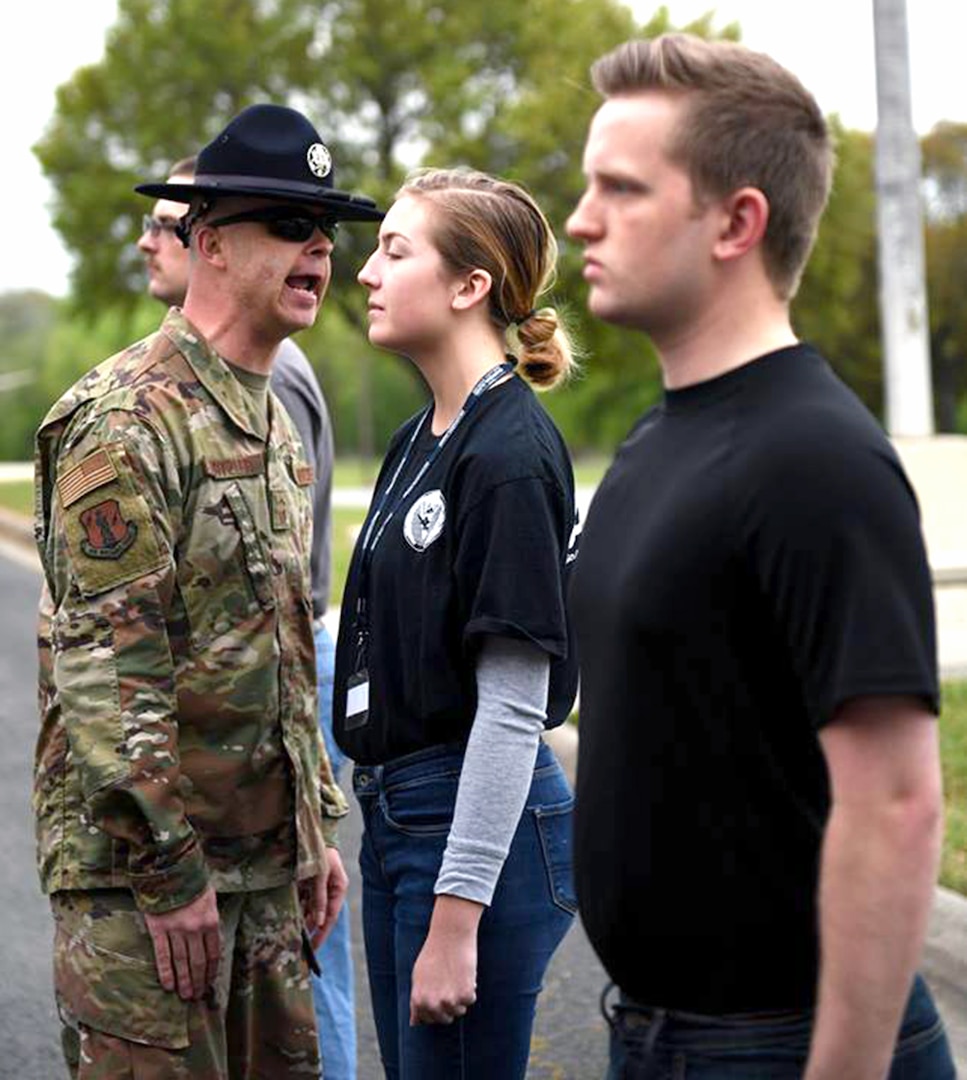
column 165, row 256
column 185, row 807
column 294, row 382
column 759, row 799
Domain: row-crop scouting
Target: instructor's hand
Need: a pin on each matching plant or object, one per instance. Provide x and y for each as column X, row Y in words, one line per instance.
column 187, row 946
column 322, row 898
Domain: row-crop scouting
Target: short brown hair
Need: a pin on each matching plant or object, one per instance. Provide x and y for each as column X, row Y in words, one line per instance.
column 748, row 122
column 495, row 225
column 184, row 166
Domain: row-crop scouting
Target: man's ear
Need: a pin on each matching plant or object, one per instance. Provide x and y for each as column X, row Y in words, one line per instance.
column 471, row 289
column 745, row 218
column 208, row 244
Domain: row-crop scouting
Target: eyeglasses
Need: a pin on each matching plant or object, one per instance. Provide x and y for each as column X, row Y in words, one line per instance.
column 286, row 222
column 157, row 226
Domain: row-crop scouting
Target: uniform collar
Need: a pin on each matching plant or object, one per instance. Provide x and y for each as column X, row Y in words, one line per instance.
column 215, row 375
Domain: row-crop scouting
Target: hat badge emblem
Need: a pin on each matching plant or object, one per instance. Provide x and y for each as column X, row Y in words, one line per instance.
column 319, row 160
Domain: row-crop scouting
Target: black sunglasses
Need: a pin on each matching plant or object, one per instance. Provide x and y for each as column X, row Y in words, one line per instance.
column 286, row 222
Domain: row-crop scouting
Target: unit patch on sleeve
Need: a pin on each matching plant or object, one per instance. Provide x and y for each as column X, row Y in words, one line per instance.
column 106, row 534
column 107, row 527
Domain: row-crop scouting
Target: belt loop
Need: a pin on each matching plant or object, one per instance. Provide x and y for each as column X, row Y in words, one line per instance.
column 657, row 1019
column 603, row 1005
column 654, row 1030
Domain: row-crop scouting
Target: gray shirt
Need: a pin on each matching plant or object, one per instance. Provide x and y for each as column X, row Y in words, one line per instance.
column 295, row 384
column 498, row 766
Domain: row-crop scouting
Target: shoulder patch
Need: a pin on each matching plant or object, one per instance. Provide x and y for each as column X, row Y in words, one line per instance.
column 107, row 535
column 93, row 472
column 107, row 527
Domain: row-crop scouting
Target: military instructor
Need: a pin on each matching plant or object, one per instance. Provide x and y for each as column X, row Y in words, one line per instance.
column 185, row 806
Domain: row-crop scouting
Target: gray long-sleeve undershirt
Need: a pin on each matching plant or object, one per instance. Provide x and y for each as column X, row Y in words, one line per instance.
column 512, row 685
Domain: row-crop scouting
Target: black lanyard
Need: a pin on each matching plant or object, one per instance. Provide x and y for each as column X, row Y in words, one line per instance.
column 383, row 516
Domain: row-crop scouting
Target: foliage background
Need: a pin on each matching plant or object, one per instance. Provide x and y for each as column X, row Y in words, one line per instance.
column 393, row 84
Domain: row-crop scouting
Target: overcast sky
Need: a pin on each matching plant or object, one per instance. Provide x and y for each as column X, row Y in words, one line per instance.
column 828, row 43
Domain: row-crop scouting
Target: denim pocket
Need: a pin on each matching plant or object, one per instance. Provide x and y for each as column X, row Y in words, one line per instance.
column 423, row 806
column 926, row 1050
column 554, row 828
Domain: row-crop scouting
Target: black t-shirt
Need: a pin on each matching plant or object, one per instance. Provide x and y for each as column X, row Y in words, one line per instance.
column 751, row 561
column 480, row 546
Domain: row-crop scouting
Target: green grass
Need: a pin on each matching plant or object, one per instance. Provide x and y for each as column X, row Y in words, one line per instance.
column 354, row 471
column 589, row 470
column 361, row 472
column 953, row 747
column 18, row 495
column 345, row 528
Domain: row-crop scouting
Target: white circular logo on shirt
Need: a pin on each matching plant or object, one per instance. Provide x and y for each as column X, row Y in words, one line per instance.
column 319, row 160
column 424, row 520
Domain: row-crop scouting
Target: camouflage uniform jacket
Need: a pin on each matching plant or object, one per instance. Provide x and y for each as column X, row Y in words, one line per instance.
column 179, row 743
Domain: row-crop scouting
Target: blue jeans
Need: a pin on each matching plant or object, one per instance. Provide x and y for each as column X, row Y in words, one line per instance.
column 654, row 1044
column 407, row 808
column 333, row 992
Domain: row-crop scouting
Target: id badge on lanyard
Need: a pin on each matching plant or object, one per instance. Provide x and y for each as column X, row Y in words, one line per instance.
column 357, row 700
column 357, row 685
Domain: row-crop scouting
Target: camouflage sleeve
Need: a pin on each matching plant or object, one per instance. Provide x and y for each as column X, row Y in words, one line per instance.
column 334, row 805
column 109, row 561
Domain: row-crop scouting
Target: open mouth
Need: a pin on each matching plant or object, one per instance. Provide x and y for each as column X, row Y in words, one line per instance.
column 305, row 283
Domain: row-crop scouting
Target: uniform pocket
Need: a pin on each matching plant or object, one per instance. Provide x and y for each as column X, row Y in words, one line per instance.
column 85, row 673
column 224, row 575
column 256, row 562
column 105, row 975
column 555, row 830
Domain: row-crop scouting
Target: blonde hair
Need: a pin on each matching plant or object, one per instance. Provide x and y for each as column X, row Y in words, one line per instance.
column 481, row 222
column 748, row 122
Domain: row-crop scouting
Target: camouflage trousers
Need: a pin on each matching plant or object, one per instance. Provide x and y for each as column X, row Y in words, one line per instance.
column 120, row 1024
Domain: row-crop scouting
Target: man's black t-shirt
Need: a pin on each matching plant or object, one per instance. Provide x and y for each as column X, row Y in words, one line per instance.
column 751, row 561
column 480, row 546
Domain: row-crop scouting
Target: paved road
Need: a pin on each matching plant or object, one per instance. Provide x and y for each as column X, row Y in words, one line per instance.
column 28, row 1046
column 569, row 1040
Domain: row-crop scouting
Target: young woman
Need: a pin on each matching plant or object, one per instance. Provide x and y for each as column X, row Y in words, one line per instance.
column 454, row 648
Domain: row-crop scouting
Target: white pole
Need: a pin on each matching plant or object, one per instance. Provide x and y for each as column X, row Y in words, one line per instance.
column 903, row 295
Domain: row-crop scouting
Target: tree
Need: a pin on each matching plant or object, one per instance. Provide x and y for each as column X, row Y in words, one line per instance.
column 392, row 83
column 27, row 320
column 836, row 307
column 945, row 197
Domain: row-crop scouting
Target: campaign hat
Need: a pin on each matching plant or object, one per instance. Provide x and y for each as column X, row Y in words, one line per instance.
column 273, row 152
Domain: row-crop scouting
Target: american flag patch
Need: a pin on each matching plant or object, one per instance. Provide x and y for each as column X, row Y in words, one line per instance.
column 96, row 469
